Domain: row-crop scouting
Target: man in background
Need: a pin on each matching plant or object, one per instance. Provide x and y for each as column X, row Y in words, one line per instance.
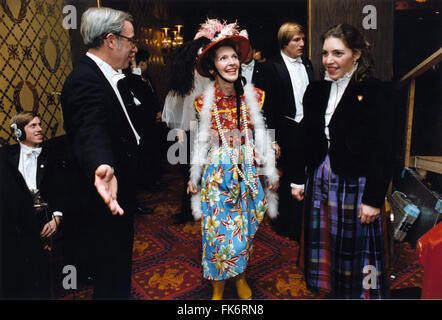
column 284, row 80
column 31, row 211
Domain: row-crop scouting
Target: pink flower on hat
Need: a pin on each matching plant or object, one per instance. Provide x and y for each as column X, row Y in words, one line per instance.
column 213, row 29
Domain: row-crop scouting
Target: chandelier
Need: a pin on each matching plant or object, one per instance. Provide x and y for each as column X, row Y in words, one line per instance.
column 163, row 38
column 160, row 41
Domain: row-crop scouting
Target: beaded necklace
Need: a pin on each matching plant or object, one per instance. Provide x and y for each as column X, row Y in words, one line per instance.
column 248, row 176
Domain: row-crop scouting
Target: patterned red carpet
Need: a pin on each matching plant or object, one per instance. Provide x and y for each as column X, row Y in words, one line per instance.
column 167, row 257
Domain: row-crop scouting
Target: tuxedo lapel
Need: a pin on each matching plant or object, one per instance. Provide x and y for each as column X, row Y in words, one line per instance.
column 91, row 63
column 309, row 68
column 283, row 73
column 115, row 107
column 125, row 92
column 325, row 96
column 41, row 167
column 256, row 73
column 14, row 159
column 14, row 156
column 345, row 102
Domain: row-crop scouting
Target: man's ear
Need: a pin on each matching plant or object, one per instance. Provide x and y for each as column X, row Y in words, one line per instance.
column 111, row 40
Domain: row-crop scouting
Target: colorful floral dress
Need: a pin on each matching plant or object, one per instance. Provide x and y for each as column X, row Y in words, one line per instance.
column 231, row 213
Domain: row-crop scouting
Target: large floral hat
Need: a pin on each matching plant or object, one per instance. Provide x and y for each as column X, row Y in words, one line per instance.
column 217, row 31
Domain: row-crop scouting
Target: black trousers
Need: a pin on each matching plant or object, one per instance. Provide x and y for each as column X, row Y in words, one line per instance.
column 113, row 244
column 289, row 221
column 112, row 239
column 186, row 211
column 103, row 242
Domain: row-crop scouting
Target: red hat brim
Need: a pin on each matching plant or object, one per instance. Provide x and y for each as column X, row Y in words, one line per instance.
column 242, row 43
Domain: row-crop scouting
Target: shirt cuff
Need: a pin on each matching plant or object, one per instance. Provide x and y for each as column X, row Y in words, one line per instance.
column 57, row 214
column 294, row 185
column 136, row 71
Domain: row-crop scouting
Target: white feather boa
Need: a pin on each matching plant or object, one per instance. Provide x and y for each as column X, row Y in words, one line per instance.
column 265, row 154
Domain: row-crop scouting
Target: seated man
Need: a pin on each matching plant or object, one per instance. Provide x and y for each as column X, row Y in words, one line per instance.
column 30, row 211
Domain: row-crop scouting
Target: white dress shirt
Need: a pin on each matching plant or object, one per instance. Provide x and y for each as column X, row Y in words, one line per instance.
column 336, row 91
column 112, row 77
column 247, row 70
column 27, row 165
column 299, row 78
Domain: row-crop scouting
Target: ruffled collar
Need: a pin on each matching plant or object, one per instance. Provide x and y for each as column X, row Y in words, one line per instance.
column 345, row 78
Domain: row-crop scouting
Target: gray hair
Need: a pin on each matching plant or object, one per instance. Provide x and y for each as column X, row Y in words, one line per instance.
column 96, row 23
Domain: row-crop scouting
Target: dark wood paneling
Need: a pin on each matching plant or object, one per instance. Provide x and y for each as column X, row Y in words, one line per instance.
column 326, row 13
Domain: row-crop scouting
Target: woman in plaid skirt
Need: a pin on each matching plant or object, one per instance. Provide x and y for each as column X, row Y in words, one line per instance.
column 347, row 123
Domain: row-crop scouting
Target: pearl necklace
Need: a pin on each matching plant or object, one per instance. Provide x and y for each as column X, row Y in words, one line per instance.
column 248, row 180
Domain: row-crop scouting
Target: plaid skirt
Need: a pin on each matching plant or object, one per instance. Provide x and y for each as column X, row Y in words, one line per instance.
column 342, row 258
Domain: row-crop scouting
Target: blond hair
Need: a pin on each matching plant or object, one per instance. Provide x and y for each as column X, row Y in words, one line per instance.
column 287, row 31
column 23, row 118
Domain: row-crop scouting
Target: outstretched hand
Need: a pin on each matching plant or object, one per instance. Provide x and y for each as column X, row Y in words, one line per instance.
column 107, row 187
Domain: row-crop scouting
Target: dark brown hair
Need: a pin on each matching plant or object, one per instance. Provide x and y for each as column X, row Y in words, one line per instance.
column 208, row 63
column 355, row 41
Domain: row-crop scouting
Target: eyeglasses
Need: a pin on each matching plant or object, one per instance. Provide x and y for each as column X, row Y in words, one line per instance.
column 133, row 40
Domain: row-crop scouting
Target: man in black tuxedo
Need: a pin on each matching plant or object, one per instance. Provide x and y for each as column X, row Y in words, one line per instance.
column 31, row 211
column 251, row 69
column 147, row 114
column 106, row 144
column 284, row 79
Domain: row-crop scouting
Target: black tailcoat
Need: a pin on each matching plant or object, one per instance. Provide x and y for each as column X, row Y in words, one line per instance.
column 99, row 133
column 25, row 268
column 280, row 102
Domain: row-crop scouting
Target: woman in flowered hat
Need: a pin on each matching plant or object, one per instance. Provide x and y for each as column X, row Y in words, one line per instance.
column 232, row 150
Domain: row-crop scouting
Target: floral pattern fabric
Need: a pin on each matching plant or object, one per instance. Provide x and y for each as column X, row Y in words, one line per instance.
column 231, row 212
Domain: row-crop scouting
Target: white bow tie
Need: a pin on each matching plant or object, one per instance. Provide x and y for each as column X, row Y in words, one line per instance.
column 296, row 60
column 247, row 66
column 29, row 151
column 118, row 76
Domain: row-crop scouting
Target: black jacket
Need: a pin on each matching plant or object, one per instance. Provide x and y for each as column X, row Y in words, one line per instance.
column 99, row 133
column 143, row 115
column 275, row 81
column 24, row 264
column 96, row 125
column 361, row 134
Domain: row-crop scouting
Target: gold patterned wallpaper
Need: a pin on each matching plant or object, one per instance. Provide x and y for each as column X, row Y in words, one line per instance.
column 35, row 59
